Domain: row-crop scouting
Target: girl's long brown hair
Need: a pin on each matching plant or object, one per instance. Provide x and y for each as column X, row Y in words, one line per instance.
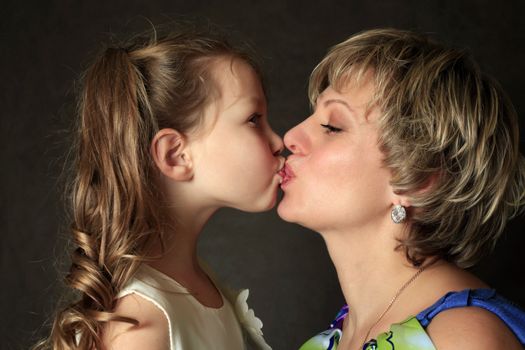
column 128, row 94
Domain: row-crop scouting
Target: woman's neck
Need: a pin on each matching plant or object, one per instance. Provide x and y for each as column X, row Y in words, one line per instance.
column 371, row 276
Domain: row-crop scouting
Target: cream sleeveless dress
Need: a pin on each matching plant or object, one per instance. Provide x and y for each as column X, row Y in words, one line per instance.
column 193, row 325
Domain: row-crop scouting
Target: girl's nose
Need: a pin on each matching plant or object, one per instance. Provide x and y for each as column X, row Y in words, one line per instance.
column 276, row 143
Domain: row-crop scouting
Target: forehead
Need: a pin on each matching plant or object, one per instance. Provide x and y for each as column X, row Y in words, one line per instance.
column 356, row 93
column 238, row 85
column 234, row 78
column 235, row 90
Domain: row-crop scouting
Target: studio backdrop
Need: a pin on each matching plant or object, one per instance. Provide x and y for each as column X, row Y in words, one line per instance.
column 293, row 286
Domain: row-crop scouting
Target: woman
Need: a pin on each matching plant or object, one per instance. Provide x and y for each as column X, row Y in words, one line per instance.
column 409, row 168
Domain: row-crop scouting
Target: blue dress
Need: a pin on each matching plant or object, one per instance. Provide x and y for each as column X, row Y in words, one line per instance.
column 411, row 334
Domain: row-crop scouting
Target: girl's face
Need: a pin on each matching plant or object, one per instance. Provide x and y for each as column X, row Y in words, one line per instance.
column 334, row 177
column 236, row 156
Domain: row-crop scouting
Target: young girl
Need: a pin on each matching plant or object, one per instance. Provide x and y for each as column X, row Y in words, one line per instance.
column 171, row 129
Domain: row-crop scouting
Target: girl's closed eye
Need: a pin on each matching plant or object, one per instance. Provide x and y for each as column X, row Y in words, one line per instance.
column 329, row 129
column 254, row 119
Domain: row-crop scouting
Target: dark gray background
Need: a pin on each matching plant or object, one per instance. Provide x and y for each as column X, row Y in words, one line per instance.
column 293, row 286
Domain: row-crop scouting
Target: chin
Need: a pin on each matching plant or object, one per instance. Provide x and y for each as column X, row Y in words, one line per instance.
column 261, row 203
column 298, row 215
column 268, row 200
column 284, row 212
column 256, row 208
column 270, row 203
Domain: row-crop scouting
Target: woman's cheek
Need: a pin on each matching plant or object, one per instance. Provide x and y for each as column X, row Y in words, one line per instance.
column 332, row 168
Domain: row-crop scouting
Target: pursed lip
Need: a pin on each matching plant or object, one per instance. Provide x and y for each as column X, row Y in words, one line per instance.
column 282, row 163
column 286, row 174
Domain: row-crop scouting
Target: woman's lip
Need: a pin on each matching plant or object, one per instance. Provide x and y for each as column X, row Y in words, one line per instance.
column 288, row 170
column 286, row 174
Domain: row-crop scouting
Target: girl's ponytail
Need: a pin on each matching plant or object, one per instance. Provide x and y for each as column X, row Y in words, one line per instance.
column 110, row 197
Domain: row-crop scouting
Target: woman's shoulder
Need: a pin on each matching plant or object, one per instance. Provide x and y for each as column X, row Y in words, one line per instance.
column 474, row 318
column 471, row 328
column 149, row 332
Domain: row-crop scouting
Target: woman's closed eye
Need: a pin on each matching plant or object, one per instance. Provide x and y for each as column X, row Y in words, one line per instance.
column 329, row 129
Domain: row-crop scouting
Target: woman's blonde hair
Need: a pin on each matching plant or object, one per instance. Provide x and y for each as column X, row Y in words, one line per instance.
column 449, row 135
column 128, row 93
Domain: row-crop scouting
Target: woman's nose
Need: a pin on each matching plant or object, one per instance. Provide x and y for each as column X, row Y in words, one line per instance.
column 291, row 139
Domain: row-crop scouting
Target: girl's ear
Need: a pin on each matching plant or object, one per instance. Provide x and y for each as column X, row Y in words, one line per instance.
column 171, row 155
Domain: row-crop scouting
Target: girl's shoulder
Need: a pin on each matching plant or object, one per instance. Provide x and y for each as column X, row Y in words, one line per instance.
column 141, row 300
column 149, row 332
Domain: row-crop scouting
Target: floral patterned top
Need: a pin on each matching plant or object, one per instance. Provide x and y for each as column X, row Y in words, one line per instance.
column 410, row 334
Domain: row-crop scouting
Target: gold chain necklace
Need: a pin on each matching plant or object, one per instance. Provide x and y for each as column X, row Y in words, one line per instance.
column 398, row 293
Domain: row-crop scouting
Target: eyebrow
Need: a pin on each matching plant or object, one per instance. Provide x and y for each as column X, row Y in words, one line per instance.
column 339, row 101
column 251, row 99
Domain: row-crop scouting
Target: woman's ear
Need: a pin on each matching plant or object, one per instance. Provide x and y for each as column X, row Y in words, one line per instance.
column 171, row 155
column 402, row 200
column 429, row 185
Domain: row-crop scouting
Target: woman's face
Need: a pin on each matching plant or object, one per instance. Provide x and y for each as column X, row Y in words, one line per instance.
column 335, row 177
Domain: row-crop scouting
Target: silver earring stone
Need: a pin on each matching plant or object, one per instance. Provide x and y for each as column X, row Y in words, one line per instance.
column 398, row 214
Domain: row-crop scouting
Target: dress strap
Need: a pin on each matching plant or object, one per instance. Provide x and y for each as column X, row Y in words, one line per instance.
column 485, row 298
column 339, row 318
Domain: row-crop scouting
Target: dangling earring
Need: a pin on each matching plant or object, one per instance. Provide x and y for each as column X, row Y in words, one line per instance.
column 398, row 214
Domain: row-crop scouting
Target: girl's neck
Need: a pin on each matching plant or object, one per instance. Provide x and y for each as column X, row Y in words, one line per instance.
column 177, row 256
column 179, row 260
